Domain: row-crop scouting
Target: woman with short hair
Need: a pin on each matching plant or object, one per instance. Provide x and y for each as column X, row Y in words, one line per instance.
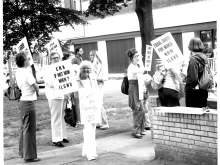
column 86, row 81
column 134, row 69
column 57, row 105
column 195, row 97
column 27, row 84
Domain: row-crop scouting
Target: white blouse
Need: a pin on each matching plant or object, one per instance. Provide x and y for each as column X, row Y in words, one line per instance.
column 25, row 79
column 133, row 70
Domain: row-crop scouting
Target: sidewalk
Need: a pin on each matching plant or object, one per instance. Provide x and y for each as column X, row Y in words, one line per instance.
column 120, row 149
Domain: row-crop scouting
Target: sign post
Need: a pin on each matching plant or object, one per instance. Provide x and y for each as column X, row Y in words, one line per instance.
column 168, row 50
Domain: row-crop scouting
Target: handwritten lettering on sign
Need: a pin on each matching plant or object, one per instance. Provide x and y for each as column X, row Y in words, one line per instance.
column 63, row 77
column 54, row 46
column 168, row 50
column 148, row 58
column 90, row 106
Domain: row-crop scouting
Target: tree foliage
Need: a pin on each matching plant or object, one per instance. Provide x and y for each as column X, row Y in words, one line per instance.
column 102, row 8
column 143, row 9
column 36, row 20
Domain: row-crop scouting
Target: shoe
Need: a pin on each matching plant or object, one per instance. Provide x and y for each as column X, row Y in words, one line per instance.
column 58, row 144
column 91, row 158
column 65, row 141
column 104, row 127
column 137, row 135
column 32, row 160
column 143, row 133
column 147, row 128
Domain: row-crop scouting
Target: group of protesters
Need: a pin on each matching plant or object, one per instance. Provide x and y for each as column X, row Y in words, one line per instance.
column 57, row 103
column 168, row 94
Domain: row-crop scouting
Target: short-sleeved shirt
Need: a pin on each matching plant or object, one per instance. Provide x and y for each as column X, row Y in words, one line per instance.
column 133, row 70
column 25, row 80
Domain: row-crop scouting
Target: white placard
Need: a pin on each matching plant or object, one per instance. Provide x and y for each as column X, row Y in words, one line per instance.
column 168, row 50
column 90, row 106
column 23, row 46
column 148, row 57
column 64, row 79
column 54, row 46
column 97, row 66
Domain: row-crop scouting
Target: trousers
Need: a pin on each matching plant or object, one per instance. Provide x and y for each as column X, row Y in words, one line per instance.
column 58, row 125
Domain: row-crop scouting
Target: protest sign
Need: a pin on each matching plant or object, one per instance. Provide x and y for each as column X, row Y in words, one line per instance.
column 168, row 50
column 63, row 77
column 97, row 66
column 23, row 46
column 148, row 57
column 54, row 46
column 90, row 106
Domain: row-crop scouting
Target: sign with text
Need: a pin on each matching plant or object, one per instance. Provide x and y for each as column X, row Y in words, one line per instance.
column 148, row 57
column 97, row 66
column 63, row 77
column 168, row 50
column 23, row 46
column 54, row 46
column 90, row 106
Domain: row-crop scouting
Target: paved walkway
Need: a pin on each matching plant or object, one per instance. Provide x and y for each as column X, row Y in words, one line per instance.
column 120, row 149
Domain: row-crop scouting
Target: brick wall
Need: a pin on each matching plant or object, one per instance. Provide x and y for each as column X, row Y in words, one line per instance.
column 190, row 138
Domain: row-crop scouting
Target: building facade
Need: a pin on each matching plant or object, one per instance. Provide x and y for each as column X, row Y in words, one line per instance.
column 114, row 35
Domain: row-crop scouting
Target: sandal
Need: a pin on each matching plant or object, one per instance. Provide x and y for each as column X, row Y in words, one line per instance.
column 58, row 144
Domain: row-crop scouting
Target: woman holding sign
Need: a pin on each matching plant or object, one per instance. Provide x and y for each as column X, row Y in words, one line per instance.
column 86, row 81
column 134, row 69
column 57, row 106
column 27, row 83
column 170, row 86
column 104, row 125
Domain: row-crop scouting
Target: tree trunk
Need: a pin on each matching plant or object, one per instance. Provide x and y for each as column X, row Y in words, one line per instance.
column 143, row 9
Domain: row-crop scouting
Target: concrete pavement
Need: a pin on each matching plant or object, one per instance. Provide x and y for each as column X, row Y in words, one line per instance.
column 117, row 149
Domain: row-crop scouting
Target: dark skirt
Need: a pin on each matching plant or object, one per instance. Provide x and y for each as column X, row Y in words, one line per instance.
column 135, row 105
column 27, row 143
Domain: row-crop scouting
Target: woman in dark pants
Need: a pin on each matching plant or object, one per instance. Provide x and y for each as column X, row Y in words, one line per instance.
column 134, row 70
column 27, row 84
column 169, row 92
column 195, row 97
